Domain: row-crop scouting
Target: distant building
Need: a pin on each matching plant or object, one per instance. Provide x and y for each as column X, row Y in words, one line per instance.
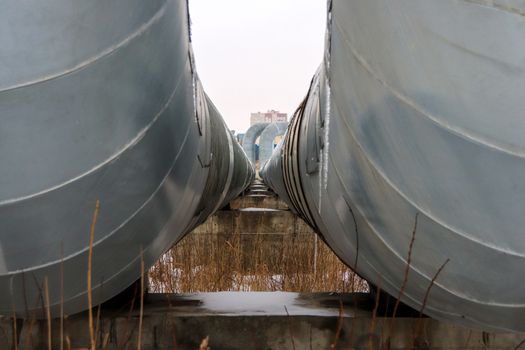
column 268, row 117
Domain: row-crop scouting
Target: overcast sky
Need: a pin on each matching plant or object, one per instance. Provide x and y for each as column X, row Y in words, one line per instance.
column 255, row 55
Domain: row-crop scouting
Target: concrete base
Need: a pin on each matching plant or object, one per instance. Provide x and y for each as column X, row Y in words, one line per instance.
column 253, row 321
column 258, row 201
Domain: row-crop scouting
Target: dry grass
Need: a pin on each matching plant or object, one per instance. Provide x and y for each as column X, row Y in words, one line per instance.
column 90, row 264
column 252, row 262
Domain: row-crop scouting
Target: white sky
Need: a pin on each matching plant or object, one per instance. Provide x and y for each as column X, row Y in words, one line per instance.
column 256, row 55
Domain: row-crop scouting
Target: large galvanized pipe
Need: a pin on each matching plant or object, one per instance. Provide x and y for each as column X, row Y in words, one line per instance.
column 267, row 139
column 413, row 130
column 99, row 101
column 248, row 142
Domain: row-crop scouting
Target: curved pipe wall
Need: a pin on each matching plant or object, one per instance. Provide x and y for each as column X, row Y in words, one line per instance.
column 230, row 171
column 113, row 111
column 393, row 139
column 251, row 135
column 272, row 174
column 267, row 138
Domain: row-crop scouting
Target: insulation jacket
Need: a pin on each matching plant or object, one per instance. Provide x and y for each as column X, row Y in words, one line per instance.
column 97, row 104
column 408, row 153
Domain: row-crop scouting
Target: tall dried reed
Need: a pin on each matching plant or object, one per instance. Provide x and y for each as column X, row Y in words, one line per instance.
column 252, row 262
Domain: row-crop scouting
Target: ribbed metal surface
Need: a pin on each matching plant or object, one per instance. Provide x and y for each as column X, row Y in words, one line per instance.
column 272, row 173
column 248, row 142
column 267, row 140
column 99, row 101
column 417, row 111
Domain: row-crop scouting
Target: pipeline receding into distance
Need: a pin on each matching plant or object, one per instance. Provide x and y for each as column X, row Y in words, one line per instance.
column 100, row 101
column 413, row 130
